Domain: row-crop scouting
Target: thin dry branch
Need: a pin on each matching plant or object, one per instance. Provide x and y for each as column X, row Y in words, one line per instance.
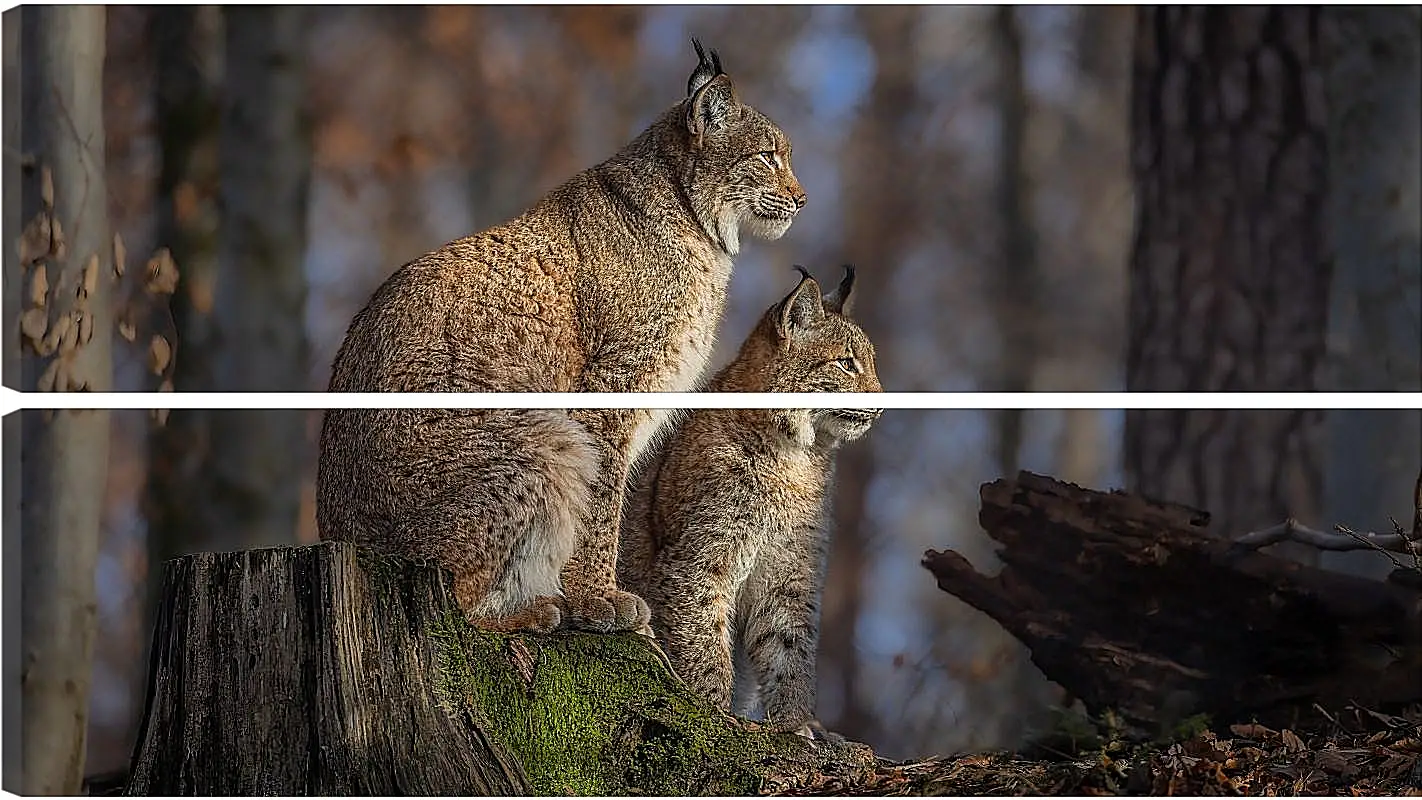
column 1344, row 539
column 1291, row 530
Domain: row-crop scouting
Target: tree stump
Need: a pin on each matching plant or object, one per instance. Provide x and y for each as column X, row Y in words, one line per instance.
column 328, row 669
column 1131, row 606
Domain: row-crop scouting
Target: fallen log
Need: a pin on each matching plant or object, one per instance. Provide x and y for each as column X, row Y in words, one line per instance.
column 328, row 669
column 1132, row 606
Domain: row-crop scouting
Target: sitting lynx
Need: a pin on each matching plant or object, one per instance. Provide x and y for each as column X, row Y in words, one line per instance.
column 614, row 282
column 725, row 534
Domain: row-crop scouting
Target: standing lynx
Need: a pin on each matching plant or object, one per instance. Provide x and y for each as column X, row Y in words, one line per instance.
column 613, row 282
column 725, row 533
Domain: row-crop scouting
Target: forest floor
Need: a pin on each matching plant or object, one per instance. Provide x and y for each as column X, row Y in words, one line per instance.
column 1357, row 752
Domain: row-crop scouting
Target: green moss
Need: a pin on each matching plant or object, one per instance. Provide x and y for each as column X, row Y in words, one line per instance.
column 590, row 714
column 385, row 571
column 1189, row 728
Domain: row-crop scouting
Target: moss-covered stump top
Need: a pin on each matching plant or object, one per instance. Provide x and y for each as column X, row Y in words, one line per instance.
column 594, row 714
column 329, row 669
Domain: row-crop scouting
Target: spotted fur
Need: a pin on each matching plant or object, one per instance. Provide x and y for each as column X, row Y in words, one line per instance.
column 725, row 534
column 613, row 282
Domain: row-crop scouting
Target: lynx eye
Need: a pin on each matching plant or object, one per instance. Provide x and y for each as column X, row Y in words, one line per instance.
column 770, row 158
column 849, row 365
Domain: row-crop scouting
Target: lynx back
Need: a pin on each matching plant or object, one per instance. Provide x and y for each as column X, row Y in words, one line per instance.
column 613, row 282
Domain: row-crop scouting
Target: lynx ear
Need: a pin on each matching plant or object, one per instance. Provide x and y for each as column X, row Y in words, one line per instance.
column 840, row 300
column 711, row 99
column 802, row 308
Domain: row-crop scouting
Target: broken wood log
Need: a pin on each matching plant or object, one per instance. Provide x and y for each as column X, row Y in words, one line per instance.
column 328, row 669
column 1133, row 606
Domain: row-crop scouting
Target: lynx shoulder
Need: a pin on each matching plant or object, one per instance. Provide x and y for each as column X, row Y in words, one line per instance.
column 725, row 534
column 615, row 281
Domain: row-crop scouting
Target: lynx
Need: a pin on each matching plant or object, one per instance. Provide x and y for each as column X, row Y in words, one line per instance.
column 613, row 282
column 725, row 532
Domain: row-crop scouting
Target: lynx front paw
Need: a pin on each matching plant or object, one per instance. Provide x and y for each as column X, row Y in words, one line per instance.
column 801, row 723
column 543, row 615
column 608, row 611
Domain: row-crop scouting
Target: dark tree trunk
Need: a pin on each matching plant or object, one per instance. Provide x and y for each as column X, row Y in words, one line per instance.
column 1015, row 279
column 330, row 670
column 177, row 503
column 1131, row 605
column 1230, row 271
column 1374, row 68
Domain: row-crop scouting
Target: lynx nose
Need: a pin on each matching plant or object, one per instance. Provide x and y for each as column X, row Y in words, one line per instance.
column 798, row 195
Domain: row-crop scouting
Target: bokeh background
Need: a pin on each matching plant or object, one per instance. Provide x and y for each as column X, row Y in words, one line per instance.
column 975, row 163
column 429, row 123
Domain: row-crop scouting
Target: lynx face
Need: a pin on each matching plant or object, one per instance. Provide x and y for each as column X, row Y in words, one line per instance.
column 741, row 177
column 807, row 343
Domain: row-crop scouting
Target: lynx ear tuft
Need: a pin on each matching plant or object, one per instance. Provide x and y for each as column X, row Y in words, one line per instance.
column 706, row 69
column 840, row 299
column 802, row 308
column 711, row 99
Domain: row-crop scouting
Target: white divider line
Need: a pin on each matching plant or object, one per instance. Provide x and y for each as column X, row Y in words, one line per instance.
column 12, row 400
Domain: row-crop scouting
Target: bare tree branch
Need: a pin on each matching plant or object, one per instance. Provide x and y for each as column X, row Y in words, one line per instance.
column 1291, row 530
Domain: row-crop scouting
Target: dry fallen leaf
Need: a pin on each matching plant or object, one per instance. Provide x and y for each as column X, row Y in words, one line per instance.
column 159, row 353
column 47, row 187
column 57, row 246
column 162, row 274
column 48, row 377
column 86, row 328
column 127, row 330
column 69, row 340
column 34, row 240
column 91, row 277
column 160, row 415
column 1292, row 741
column 39, row 287
column 33, row 324
column 120, row 253
column 56, row 335
column 1251, row 731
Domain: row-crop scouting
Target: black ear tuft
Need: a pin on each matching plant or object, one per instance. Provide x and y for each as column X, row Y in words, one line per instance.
column 840, row 299
column 706, row 68
column 804, row 273
column 800, row 309
column 711, row 99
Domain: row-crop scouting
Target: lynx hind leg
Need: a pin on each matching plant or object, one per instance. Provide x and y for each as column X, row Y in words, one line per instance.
column 745, row 694
column 516, row 523
column 780, row 635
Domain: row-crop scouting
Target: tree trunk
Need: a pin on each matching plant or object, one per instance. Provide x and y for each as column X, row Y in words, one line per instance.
column 186, row 42
column 1130, row 605
column 66, row 249
column 9, row 276
column 1015, row 279
column 1230, row 270
column 257, row 459
column 328, row 669
column 9, row 273
column 1375, row 324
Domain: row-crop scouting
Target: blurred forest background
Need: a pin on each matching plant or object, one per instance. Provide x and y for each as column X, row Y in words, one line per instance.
column 977, row 164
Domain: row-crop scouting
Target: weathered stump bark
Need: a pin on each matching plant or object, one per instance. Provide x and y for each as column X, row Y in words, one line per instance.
column 1131, row 606
column 330, row 670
